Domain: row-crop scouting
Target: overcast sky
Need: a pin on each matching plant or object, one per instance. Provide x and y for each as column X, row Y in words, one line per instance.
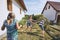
column 36, row 6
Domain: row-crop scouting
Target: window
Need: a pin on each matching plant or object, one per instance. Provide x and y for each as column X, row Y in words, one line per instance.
column 49, row 7
column 9, row 5
column 45, row 8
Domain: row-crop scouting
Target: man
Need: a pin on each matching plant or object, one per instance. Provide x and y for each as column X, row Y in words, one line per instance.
column 41, row 24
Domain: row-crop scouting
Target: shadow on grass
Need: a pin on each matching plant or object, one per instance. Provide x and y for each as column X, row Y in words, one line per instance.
column 56, row 37
column 32, row 33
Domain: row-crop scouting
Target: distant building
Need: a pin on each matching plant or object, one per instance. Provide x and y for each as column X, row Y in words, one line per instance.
column 52, row 11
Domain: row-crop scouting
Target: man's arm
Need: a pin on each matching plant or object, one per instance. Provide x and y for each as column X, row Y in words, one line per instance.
column 17, row 25
column 3, row 27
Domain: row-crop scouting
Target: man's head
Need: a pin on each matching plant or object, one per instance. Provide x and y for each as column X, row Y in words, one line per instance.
column 11, row 16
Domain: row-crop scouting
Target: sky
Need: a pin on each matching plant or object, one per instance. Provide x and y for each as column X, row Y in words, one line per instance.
column 36, row 6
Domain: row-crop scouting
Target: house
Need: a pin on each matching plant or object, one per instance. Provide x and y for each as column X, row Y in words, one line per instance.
column 16, row 6
column 52, row 11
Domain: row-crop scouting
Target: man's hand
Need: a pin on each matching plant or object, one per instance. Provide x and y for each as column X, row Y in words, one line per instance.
column 3, row 27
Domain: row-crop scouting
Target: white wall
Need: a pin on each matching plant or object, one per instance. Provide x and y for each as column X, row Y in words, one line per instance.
column 49, row 13
column 4, row 12
column 16, row 11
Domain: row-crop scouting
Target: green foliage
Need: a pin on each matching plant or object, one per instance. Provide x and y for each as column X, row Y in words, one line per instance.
column 26, row 17
column 22, row 22
column 35, row 17
column 41, row 17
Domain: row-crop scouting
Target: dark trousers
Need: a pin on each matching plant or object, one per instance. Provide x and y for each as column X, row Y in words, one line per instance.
column 42, row 27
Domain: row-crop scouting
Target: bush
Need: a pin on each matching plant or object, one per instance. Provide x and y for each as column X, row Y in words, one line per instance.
column 24, row 19
column 35, row 17
column 22, row 22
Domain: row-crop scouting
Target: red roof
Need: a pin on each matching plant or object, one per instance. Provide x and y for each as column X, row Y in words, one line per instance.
column 21, row 3
column 55, row 5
